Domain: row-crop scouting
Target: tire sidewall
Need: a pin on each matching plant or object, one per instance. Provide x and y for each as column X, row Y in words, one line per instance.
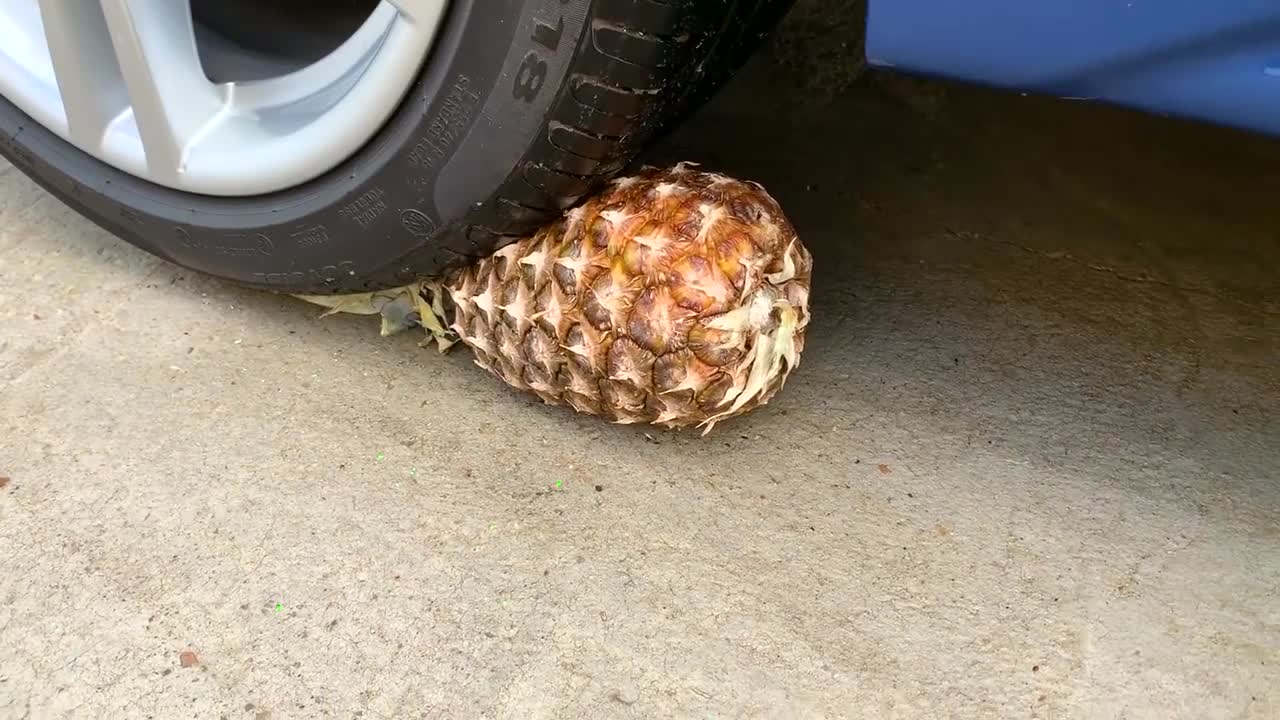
column 479, row 102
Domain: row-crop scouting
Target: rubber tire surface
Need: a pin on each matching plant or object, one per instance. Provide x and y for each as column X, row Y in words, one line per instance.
column 523, row 107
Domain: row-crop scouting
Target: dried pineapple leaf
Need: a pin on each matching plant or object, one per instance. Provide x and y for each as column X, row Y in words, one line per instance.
column 773, row 345
column 788, row 267
column 356, row 303
column 432, row 316
column 401, row 308
column 399, row 314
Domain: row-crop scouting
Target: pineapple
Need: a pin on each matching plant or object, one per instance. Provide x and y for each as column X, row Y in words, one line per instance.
column 675, row 297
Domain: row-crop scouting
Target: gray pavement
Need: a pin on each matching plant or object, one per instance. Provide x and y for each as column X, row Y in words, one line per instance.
column 1029, row 467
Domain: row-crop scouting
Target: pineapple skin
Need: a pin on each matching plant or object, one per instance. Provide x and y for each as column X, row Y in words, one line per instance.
column 675, row 297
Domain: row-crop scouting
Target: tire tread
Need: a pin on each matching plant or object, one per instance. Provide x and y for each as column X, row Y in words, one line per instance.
column 643, row 67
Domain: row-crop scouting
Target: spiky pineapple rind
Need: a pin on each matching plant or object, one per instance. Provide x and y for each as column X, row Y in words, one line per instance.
column 676, row 297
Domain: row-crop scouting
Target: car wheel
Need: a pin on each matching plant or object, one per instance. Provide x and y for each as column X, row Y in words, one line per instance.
column 333, row 146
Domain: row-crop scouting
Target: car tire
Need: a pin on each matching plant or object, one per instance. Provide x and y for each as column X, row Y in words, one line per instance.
column 521, row 108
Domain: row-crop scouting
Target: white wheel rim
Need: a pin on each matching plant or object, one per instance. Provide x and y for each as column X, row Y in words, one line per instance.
column 122, row 81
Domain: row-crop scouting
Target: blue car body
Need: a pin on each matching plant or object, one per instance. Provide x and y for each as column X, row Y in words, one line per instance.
column 1214, row 60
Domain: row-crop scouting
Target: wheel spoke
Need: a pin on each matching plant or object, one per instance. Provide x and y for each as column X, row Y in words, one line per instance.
column 326, row 75
column 419, row 12
column 173, row 102
column 122, row 81
column 89, row 80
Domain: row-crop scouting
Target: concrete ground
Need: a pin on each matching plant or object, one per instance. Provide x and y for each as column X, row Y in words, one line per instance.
column 1029, row 467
